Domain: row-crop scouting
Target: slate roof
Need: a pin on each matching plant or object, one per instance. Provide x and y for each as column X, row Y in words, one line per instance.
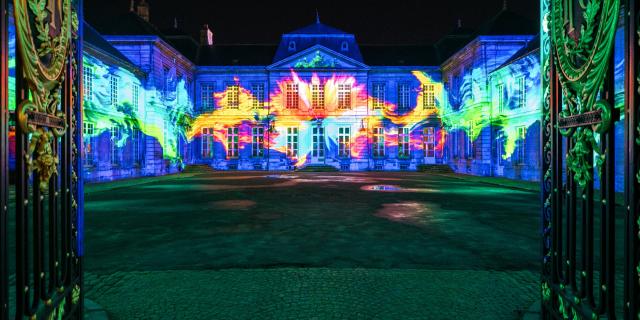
column 400, row 55
column 318, row 34
column 236, row 55
column 93, row 38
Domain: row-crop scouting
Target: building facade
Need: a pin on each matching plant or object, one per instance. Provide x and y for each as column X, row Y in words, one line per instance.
column 158, row 100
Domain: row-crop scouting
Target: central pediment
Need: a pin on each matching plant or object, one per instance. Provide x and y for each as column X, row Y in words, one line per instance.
column 318, row 57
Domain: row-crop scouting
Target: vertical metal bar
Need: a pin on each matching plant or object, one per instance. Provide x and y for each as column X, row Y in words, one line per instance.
column 79, row 190
column 4, row 156
column 632, row 167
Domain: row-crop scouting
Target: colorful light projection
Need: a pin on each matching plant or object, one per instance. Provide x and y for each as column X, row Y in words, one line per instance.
column 124, row 103
column 330, row 103
column 510, row 103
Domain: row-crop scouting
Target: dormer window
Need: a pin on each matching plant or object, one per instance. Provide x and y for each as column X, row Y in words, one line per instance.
column 345, row 46
column 292, row 46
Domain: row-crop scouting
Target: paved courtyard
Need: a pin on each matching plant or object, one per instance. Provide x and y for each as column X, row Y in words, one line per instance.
column 255, row 245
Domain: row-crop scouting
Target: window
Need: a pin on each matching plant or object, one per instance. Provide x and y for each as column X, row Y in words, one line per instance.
column 292, row 142
column 379, row 96
column 136, row 97
column 521, row 144
column 500, row 93
column 318, row 142
column 522, row 93
column 114, row 139
column 428, row 141
column 207, row 143
column 378, row 142
column 258, row 95
column 232, row 142
column 403, row 142
column 293, row 99
column 500, row 148
column 233, row 96
column 88, row 132
column 87, row 82
column 206, row 96
column 470, row 144
column 113, row 84
column 257, row 142
column 344, row 96
column 136, row 139
column 317, row 96
column 292, row 46
column 428, row 96
column 344, row 46
column 403, row 96
column 344, row 142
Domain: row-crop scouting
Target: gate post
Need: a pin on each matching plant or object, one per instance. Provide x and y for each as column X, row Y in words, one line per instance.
column 632, row 160
column 4, row 158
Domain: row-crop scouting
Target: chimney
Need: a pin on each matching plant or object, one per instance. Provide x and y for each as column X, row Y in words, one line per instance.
column 175, row 23
column 206, row 36
column 143, row 10
column 459, row 23
column 505, row 5
column 132, row 6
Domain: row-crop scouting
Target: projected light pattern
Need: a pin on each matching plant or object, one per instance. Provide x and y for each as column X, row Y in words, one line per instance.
column 318, row 118
column 119, row 102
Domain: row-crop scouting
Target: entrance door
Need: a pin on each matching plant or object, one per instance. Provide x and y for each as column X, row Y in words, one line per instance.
column 318, row 144
column 429, row 145
column 46, row 213
column 591, row 249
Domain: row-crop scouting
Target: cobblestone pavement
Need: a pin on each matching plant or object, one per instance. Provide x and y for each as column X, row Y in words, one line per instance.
column 303, row 293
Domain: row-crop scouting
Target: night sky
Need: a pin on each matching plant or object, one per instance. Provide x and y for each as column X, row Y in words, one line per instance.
column 396, row 22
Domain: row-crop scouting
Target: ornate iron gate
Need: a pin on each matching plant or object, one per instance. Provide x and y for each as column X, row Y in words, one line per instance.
column 580, row 253
column 45, row 216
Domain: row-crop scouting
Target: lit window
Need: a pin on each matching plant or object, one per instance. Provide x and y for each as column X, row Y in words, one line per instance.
column 88, row 137
column 258, row 95
column 428, row 140
column 522, row 92
column 500, row 93
column 521, row 144
column 500, row 147
column 344, row 96
column 257, row 142
column 292, row 142
column 136, row 97
column 293, row 99
column 292, row 46
column 403, row 96
column 344, row 46
column 114, row 139
column 378, row 142
column 317, row 96
column 403, row 142
column 232, row 142
column 233, row 96
column 379, row 95
column 113, row 84
column 318, row 142
column 206, row 96
column 470, row 144
column 136, row 139
column 428, row 96
column 344, row 142
column 87, row 82
column 207, row 143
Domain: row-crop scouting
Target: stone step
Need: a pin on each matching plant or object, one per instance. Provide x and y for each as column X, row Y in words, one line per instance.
column 435, row 168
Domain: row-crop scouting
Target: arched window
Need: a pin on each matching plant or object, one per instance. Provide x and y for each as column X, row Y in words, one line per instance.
column 292, row 46
column 345, row 46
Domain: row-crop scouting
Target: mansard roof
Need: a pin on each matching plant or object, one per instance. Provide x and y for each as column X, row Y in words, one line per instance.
column 400, row 55
column 93, row 40
column 532, row 46
column 318, row 34
column 236, row 55
column 508, row 22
